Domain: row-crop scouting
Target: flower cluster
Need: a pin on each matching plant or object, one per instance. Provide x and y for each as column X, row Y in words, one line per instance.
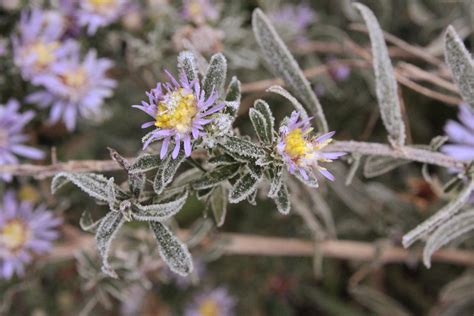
column 24, row 232
column 212, row 303
column 300, row 151
column 461, row 135
column 94, row 14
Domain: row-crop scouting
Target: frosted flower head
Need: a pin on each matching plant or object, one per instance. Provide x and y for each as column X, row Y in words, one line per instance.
column 99, row 13
column 199, row 11
column 216, row 302
column 12, row 138
column 302, row 152
column 24, row 231
column 294, row 19
column 75, row 88
column 461, row 135
column 180, row 112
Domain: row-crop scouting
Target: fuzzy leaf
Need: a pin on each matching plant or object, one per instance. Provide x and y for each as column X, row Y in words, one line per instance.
column 283, row 65
column 87, row 223
column 175, row 254
column 255, row 170
column 216, row 176
column 136, row 183
column 259, row 125
column 222, row 160
column 219, row 204
column 166, row 172
column 276, row 179
column 204, row 194
column 264, row 108
column 243, row 188
column 91, row 183
column 106, row 232
column 240, row 147
column 111, row 196
column 216, row 74
column 145, row 163
column 296, row 104
column 385, row 83
column 232, row 98
column 160, row 212
column 187, row 64
column 377, row 165
column 282, row 200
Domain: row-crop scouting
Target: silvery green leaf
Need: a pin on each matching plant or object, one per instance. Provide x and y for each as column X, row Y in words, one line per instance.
column 282, row 200
column 232, row 98
column 106, row 232
column 460, row 62
column 377, row 302
column 255, row 170
column 448, row 231
column 285, row 66
column 145, row 163
column 296, row 104
column 385, row 82
column 175, row 254
column 160, row 212
column 136, row 183
column 166, row 172
column 203, row 195
column 219, row 204
column 187, row 64
column 259, row 125
column 215, row 75
column 111, row 196
column 377, row 165
column 243, row 188
column 216, row 176
column 276, row 179
column 121, row 161
column 264, row 108
column 222, row 160
column 240, row 147
column 87, row 223
column 443, row 215
column 91, row 183
column 252, row 198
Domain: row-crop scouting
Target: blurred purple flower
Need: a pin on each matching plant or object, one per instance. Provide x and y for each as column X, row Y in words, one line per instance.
column 180, row 113
column 216, row 302
column 461, row 135
column 24, row 232
column 99, row 13
column 300, row 151
column 12, row 138
column 74, row 88
column 199, row 11
column 294, row 18
column 338, row 71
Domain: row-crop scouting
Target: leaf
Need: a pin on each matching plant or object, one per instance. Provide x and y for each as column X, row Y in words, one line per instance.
column 136, row 183
column 111, row 197
column 282, row 200
column 240, row 147
column 219, row 204
column 377, row 302
column 461, row 65
column 187, row 64
column 255, row 170
column 262, row 121
column 243, row 188
column 276, row 179
column 160, row 212
column 87, row 223
column 264, row 108
column 106, row 232
column 232, row 98
column 284, row 65
column 385, row 83
column 145, row 163
column 204, row 194
column 175, row 254
column 166, row 172
column 91, row 183
column 222, row 160
column 377, row 165
column 296, row 104
column 216, row 176
column 215, row 76
column 447, row 232
column 444, row 214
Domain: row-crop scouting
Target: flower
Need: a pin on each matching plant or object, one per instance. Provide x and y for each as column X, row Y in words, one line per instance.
column 180, row 111
column 293, row 19
column 216, row 302
column 300, row 151
column 75, row 87
column 24, row 231
column 38, row 44
column 98, row 13
column 199, row 11
column 461, row 135
column 11, row 136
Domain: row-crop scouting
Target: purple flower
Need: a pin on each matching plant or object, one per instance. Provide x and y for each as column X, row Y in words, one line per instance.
column 339, row 72
column 24, row 232
column 461, row 135
column 99, row 13
column 199, row 11
column 180, row 111
column 300, row 151
column 38, row 44
column 74, row 87
column 12, row 138
column 216, row 302
column 294, row 19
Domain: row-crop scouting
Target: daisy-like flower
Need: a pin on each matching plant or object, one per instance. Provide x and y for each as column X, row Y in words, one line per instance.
column 38, row 44
column 461, row 135
column 302, row 152
column 180, row 111
column 75, row 88
column 99, row 13
column 216, row 302
column 24, row 231
column 199, row 11
column 11, row 137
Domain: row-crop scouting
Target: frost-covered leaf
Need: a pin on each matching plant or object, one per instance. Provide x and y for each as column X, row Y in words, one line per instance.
column 262, row 121
column 447, row 232
column 145, row 163
column 166, row 172
column 136, row 183
column 296, row 104
column 175, row 254
column 282, row 200
column 255, row 170
column 160, row 212
column 187, row 64
column 385, row 82
column 203, row 195
column 216, row 176
column 222, row 160
column 232, row 98
column 111, row 196
column 106, row 232
column 264, row 108
column 378, row 302
column 276, row 178
column 93, row 184
column 244, row 187
column 216, row 74
column 241, row 147
column 219, row 204
column 283, row 65
column 443, row 215
column 87, row 223
column 460, row 62
column 377, row 165
column 252, row 198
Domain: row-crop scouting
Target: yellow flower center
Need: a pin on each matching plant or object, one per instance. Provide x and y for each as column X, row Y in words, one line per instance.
column 195, row 9
column 14, row 235
column 28, row 193
column 101, row 4
column 76, row 78
column 296, row 145
column 177, row 111
column 44, row 53
column 209, row 308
